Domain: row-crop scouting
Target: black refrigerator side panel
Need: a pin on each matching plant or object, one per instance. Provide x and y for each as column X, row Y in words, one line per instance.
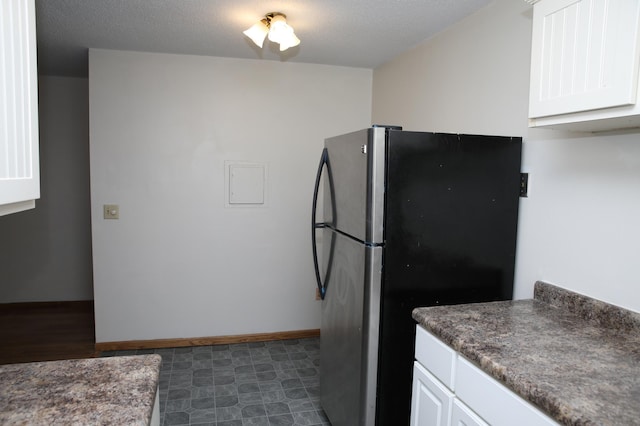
column 450, row 237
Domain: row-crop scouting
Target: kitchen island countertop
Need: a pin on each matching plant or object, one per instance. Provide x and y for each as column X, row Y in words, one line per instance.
column 95, row 391
column 575, row 358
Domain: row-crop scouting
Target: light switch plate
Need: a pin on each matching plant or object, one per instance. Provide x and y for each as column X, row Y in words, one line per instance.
column 111, row 211
column 524, row 185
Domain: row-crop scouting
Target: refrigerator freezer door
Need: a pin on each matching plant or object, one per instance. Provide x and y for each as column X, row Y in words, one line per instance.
column 349, row 330
column 452, row 212
column 356, row 168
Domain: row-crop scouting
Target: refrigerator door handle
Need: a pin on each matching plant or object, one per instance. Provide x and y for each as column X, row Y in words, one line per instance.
column 324, row 161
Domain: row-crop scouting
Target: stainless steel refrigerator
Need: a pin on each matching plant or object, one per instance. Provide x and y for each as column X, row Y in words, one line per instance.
column 409, row 219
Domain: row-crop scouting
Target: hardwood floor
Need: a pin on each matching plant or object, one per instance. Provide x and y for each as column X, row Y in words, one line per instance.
column 46, row 331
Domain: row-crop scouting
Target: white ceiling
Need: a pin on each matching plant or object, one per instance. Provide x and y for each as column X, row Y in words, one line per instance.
column 355, row 33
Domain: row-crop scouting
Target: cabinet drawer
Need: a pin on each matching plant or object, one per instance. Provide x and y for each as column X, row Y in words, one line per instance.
column 435, row 356
column 493, row 401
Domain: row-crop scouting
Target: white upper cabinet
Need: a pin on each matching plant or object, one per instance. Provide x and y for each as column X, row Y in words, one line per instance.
column 585, row 57
column 19, row 161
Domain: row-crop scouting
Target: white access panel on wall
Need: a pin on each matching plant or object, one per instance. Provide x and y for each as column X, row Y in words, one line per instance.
column 245, row 184
column 584, row 55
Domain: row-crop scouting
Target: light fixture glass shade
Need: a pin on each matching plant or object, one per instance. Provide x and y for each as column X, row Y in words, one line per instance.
column 279, row 30
column 258, row 32
column 275, row 26
column 291, row 41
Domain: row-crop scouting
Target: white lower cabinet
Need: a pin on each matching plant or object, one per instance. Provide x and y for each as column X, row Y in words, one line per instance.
column 432, row 401
column 450, row 390
column 493, row 401
column 155, row 413
column 461, row 415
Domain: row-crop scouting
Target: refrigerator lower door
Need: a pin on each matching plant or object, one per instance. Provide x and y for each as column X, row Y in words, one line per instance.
column 349, row 330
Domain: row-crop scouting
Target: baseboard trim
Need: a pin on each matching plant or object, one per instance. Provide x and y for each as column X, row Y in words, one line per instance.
column 204, row 341
column 25, row 307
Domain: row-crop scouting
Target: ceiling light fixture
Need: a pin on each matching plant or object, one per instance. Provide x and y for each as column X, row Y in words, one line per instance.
column 274, row 25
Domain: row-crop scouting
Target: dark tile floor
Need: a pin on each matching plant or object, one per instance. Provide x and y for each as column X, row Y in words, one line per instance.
column 263, row 383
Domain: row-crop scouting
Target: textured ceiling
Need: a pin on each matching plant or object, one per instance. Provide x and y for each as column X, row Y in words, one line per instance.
column 355, row 33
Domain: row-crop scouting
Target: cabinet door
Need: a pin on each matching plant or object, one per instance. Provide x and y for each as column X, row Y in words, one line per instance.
column 19, row 173
column 584, row 55
column 431, row 401
column 461, row 415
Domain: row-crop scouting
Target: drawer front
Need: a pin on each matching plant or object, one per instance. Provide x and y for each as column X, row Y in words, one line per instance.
column 435, row 356
column 496, row 404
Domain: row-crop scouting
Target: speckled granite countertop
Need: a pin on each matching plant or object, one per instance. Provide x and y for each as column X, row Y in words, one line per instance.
column 576, row 358
column 97, row 391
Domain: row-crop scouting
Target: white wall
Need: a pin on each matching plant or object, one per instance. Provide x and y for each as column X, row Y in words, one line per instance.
column 579, row 228
column 178, row 263
column 45, row 253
